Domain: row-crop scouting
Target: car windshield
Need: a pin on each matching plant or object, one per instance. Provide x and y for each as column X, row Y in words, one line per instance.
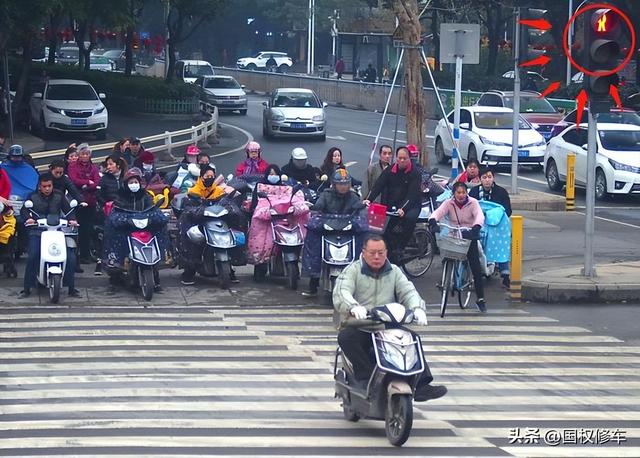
column 69, row 52
column 620, row 140
column 531, row 105
column 70, row 92
column 222, row 83
column 296, row 99
column 113, row 54
column 497, row 121
column 194, row 71
column 619, row 117
column 99, row 60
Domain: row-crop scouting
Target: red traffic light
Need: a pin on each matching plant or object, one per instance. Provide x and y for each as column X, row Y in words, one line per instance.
column 604, row 21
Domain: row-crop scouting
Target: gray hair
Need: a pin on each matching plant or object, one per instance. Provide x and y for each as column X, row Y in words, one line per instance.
column 83, row 147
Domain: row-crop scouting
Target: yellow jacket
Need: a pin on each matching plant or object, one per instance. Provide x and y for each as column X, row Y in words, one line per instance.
column 211, row 193
column 7, row 227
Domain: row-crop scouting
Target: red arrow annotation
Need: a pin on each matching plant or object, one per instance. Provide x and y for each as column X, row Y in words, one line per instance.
column 613, row 91
column 553, row 87
column 540, row 61
column 540, row 24
column 581, row 101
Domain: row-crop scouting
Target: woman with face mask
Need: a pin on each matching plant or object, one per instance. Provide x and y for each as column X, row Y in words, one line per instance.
column 152, row 180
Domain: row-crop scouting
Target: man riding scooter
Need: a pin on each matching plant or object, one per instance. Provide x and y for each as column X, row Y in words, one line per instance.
column 46, row 201
column 367, row 283
column 340, row 199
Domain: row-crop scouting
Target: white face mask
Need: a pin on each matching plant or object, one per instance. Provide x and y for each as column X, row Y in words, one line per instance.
column 134, row 187
column 147, row 167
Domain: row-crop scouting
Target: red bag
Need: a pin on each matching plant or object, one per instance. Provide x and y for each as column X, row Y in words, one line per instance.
column 377, row 217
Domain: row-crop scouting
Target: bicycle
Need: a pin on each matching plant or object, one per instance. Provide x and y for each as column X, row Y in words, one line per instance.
column 456, row 272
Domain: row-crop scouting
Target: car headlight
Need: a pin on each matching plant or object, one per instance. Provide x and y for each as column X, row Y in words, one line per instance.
column 623, row 167
column 486, row 141
column 100, row 110
column 277, row 116
column 54, row 109
column 318, row 118
column 54, row 249
column 540, row 143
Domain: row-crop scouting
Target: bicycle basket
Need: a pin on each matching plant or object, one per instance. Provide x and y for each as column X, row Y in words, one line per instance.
column 453, row 247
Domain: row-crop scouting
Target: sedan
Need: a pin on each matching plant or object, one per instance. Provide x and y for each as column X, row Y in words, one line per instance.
column 617, row 158
column 615, row 116
column 486, row 135
column 224, row 92
column 294, row 112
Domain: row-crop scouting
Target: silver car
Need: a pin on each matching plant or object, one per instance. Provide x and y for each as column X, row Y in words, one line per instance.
column 294, row 112
column 223, row 92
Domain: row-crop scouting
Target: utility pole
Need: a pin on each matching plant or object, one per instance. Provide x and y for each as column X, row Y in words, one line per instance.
column 334, row 35
column 310, row 39
column 516, row 107
column 167, row 7
column 570, row 43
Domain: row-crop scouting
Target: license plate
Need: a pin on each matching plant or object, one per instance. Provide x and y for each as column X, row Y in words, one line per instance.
column 523, row 153
column 298, row 125
column 78, row 122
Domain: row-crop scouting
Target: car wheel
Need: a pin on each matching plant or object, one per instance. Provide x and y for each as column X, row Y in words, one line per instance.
column 601, row 185
column 44, row 132
column 323, row 137
column 553, row 177
column 265, row 131
column 252, row 67
column 243, row 112
column 440, row 156
column 472, row 153
column 283, row 68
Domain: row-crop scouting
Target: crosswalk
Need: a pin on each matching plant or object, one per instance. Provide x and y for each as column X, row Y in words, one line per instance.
column 256, row 380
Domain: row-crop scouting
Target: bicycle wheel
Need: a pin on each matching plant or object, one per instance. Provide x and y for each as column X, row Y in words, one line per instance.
column 464, row 283
column 447, row 282
column 418, row 254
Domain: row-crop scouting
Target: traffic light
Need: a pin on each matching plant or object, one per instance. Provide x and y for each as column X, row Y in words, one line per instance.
column 534, row 40
column 602, row 35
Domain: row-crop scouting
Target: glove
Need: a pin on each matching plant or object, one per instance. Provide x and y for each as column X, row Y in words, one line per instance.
column 420, row 317
column 359, row 312
column 433, row 226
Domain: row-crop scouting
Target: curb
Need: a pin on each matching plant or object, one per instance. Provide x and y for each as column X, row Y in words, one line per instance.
column 551, row 293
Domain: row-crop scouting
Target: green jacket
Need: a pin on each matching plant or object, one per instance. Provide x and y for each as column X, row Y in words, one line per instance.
column 359, row 285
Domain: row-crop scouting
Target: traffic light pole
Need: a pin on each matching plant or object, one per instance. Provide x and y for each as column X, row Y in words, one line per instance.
column 589, row 268
column 516, row 108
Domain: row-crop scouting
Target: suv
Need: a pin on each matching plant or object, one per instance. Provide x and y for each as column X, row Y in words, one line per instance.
column 535, row 109
column 283, row 61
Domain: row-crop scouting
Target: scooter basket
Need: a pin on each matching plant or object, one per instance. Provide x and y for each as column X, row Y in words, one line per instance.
column 453, row 247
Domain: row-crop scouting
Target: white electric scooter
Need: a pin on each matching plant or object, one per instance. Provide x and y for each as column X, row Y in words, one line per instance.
column 53, row 248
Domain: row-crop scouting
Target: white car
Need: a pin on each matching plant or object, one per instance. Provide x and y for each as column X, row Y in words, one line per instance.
column 259, row 61
column 617, row 158
column 223, row 92
column 68, row 106
column 190, row 70
column 294, row 112
column 486, row 135
column 101, row 63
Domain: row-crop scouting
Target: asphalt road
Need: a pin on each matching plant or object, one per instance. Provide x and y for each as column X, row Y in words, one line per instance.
column 354, row 131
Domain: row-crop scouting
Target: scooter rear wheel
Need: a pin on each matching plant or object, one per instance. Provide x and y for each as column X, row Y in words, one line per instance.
column 55, row 286
column 398, row 419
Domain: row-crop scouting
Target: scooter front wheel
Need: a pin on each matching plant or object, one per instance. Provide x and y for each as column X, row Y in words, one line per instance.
column 224, row 273
column 146, row 282
column 292, row 274
column 398, row 419
column 55, row 285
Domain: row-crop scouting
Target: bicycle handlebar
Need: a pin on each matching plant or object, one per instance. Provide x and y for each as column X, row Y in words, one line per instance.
column 457, row 228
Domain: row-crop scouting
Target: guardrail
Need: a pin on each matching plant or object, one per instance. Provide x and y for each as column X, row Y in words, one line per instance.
column 355, row 94
column 166, row 141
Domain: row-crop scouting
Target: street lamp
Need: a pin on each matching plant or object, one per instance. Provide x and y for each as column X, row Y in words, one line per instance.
column 334, row 34
column 310, row 34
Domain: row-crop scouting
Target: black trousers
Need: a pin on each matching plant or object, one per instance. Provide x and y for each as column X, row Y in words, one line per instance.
column 357, row 344
column 86, row 218
column 473, row 256
column 399, row 230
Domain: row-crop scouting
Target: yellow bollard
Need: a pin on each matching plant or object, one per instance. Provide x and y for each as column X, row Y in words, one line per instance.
column 570, row 204
column 517, row 238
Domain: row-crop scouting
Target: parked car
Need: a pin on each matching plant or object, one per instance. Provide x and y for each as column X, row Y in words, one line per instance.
column 535, row 109
column 486, row 134
column 294, row 112
column 259, row 61
column 68, row 55
column 617, row 158
column 615, row 116
column 68, row 106
column 538, row 80
column 117, row 56
column 100, row 63
column 190, row 70
column 223, row 92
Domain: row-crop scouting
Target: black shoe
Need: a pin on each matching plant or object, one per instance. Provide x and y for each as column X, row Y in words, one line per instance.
column 24, row 293
column 188, row 278
column 74, row 293
column 98, row 270
column 158, row 289
column 481, row 305
column 233, row 278
column 506, row 281
column 428, row 392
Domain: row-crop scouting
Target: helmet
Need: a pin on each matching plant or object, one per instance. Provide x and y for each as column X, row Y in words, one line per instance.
column 133, row 172
column 194, row 170
column 341, row 176
column 193, row 150
column 195, row 235
column 413, row 150
column 253, row 146
column 15, row 150
column 298, row 153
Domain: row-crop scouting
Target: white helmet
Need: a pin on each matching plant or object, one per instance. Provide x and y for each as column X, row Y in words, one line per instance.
column 298, row 153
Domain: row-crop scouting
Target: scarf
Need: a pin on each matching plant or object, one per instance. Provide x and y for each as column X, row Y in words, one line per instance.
column 460, row 205
column 485, row 195
column 407, row 170
column 251, row 166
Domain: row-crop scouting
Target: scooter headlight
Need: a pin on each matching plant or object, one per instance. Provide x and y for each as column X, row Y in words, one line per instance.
column 55, row 249
column 348, row 227
column 140, row 223
column 327, row 227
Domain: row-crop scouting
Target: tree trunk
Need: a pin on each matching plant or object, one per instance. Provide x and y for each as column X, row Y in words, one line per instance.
column 22, row 100
column 55, row 19
column 494, row 27
column 436, row 39
column 128, row 51
column 408, row 17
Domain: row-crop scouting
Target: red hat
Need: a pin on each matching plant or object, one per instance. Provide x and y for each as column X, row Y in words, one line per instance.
column 147, row 158
column 413, row 150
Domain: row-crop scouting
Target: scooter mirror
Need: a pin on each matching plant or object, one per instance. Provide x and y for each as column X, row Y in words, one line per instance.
column 230, row 177
column 324, row 178
column 284, row 177
column 28, row 204
column 73, row 203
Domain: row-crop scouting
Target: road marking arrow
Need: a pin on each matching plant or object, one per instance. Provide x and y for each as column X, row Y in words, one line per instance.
column 336, row 137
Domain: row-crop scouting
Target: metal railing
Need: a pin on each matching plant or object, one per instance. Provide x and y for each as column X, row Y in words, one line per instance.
column 166, row 141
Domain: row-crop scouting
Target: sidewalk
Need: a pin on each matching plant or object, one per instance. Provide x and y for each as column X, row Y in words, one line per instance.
column 30, row 143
